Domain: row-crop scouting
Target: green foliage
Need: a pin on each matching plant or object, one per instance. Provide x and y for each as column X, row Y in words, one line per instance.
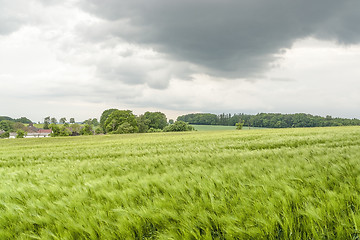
column 124, row 128
column 178, row 126
column 62, row 120
column 121, row 121
column 86, row 130
column 171, row 121
column 55, row 130
column 143, row 124
column 99, row 130
column 152, row 130
column 157, row 120
column 5, row 135
column 18, row 125
column 260, row 184
column 268, row 120
column 46, row 122
column 240, row 125
column 20, row 133
column 75, row 128
column 154, row 120
column 21, row 120
column 104, row 116
column 2, row 118
column 59, row 131
column 6, row 125
column 53, row 120
column 72, row 120
column 95, row 122
column 199, row 118
column 64, row 131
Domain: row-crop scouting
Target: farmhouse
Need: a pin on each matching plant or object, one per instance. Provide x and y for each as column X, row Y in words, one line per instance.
column 39, row 133
column 33, row 132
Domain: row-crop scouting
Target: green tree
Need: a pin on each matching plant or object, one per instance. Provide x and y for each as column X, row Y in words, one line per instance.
column 143, row 124
column 55, row 130
column 64, row 131
column 240, row 125
column 62, row 120
column 72, row 120
column 99, row 130
column 46, row 122
column 171, row 121
column 88, row 121
column 94, row 122
column 6, row 125
column 104, row 117
column 157, row 120
column 53, row 120
column 86, row 130
column 20, row 133
column 178, row 126
column 5, row 135
column 114, row 122
column 75, row 129
column 23, row 120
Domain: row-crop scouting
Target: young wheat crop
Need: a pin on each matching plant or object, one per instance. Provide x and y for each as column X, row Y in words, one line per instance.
column 260, row 184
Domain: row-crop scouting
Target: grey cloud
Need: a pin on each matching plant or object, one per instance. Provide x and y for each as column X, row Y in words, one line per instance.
column 228, row 38
column 11, row 16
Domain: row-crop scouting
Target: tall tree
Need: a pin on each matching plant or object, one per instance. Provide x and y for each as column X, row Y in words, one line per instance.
column 46, row 122
column 104, row 116
column 72, row 120
column 157, row 120
column 121, row 121
column 63, row 120
column 94, row 122
column 53, row 120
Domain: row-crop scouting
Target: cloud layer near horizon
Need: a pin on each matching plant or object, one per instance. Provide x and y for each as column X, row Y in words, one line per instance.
column 178, row 55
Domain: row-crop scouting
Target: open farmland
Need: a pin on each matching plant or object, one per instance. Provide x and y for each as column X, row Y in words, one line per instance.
column 219, row 127
column 260, row 184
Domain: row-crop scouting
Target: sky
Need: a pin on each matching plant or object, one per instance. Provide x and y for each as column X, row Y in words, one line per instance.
column 77, row 58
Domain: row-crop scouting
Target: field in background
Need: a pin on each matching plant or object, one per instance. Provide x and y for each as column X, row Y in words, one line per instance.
column 261, row 184
column 219, row 128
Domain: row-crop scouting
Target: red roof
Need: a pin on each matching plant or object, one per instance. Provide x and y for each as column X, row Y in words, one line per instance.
column 44, row 131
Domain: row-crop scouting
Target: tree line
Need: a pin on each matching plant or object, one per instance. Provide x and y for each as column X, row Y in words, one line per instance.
column 267, row 120
column 112, row 121
column 115, row 121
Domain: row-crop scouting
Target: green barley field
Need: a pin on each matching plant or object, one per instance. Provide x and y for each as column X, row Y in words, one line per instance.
column 219, row 128
column 259, row 184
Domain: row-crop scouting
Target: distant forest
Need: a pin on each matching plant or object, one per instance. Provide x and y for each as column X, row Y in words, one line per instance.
column 267, row 120
column 20, row 120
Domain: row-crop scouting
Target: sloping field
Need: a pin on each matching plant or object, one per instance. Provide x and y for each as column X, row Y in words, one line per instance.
column 260, row 184
column 220, row 128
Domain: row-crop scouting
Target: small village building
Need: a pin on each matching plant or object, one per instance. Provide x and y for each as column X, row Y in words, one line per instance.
column 33, row 132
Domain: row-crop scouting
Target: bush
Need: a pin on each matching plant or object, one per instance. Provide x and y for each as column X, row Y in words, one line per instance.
column 20, row 133
column 152, row 130
column 178, row 126
column 86, row 130
column 5, row 135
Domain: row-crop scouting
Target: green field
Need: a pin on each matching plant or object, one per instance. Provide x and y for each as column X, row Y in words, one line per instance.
column 260, row 184
column 219, row 128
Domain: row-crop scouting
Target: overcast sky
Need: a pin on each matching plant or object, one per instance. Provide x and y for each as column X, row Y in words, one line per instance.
column 76, row 58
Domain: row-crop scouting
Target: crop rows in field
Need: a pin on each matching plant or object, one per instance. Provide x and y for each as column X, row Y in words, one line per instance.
column 261, row 184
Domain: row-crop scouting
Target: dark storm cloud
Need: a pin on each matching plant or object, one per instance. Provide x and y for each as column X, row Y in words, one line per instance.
column 228, row 38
